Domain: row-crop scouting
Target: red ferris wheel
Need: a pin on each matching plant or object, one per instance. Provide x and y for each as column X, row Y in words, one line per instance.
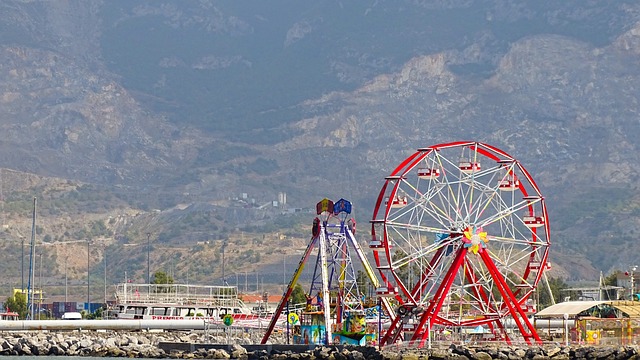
column 460, row 236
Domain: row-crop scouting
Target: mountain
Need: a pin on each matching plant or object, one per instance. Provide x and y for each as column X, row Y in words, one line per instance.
column 186, row 119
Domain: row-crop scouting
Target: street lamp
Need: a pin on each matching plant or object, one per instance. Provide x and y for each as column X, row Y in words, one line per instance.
column 565, row 318
column 41, row 289
column 631, row 274
column 224, row 245
column 88, row 282
column 105, row 274
column 22, row 267
column 284, row 271
column 66, row 288
column 148, row 258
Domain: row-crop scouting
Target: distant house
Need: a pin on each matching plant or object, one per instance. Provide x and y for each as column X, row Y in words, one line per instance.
column 261, row 303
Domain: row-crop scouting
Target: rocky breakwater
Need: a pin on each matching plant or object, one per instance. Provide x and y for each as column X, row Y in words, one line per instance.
column 145, row 345
column 504, row 352
column 99, row 344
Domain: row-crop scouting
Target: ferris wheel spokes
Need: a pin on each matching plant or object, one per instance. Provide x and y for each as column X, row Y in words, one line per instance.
column 458, row 197
column 428, row 274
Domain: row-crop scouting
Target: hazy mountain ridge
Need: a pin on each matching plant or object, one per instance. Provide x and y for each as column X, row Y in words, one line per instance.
column 554, row 117
column 70, row 117
column 200, row 102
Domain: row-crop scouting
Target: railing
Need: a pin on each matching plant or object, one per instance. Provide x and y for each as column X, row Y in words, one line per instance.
column 178, row 294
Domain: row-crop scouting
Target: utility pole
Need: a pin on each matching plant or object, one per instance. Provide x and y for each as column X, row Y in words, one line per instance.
column 224, row 245
column 148, row 258
column 633, row 288
column 22, row 267
column 88, row 282
column 66, row 285
column 31, row 281
column 104, row 255
column 41, row 289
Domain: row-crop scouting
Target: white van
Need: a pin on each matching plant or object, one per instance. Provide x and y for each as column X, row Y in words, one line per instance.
column 72, row 316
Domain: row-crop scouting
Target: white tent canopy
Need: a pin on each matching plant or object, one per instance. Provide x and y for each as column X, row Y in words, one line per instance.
column 571, row 308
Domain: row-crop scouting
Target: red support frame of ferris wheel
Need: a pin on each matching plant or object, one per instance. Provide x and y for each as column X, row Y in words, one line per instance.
column 515, row 307
column 434, row 307
column 481, row 294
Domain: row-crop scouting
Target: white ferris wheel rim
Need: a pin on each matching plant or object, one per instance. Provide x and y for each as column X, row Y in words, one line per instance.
column 452, row 202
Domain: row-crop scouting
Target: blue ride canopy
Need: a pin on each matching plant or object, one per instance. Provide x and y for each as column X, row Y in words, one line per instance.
column 342, row 205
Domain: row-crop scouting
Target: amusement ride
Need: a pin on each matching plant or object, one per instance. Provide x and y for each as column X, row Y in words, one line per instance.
column 460, row 238
column 336, row 309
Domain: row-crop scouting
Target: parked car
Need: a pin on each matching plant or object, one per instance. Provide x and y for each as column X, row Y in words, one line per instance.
column 72, row 316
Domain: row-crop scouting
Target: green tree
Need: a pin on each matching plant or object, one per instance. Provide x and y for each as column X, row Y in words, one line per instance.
column 95, row 315
column 512, row 279
column 410, row 272
column 161, row 278
column 556, row 284
column 298, row 295
column 17, row 303
column 363, row 282
column 611, row 280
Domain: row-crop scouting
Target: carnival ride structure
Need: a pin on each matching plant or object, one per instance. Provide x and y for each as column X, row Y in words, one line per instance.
column 460, row 238
column 338, row 314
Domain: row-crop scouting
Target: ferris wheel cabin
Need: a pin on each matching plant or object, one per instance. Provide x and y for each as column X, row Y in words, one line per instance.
column 533, row 221
column 375, row 244
column 428, row 173
column 536, row 266
column 508, row 184
column 409, row 326
column 397, row 202
column 387, row 291
column 469, row 167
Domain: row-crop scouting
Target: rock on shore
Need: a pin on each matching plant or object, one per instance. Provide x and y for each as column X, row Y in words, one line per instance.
column 145, row 345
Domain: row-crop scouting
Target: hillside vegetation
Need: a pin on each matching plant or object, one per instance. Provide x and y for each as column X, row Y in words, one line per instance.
column 187, row 120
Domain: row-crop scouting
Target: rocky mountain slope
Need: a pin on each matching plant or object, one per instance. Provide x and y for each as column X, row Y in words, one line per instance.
column 186, row 120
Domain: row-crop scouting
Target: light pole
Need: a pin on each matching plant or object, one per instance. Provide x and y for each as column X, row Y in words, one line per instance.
column 633, row 291
column 31, row 280
column 41, row 290
column 22, row 266
column 105, row 275
column 66, row 288
column 88, row 282
column 148, row 258
column 565, row 318
column 224, row 245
